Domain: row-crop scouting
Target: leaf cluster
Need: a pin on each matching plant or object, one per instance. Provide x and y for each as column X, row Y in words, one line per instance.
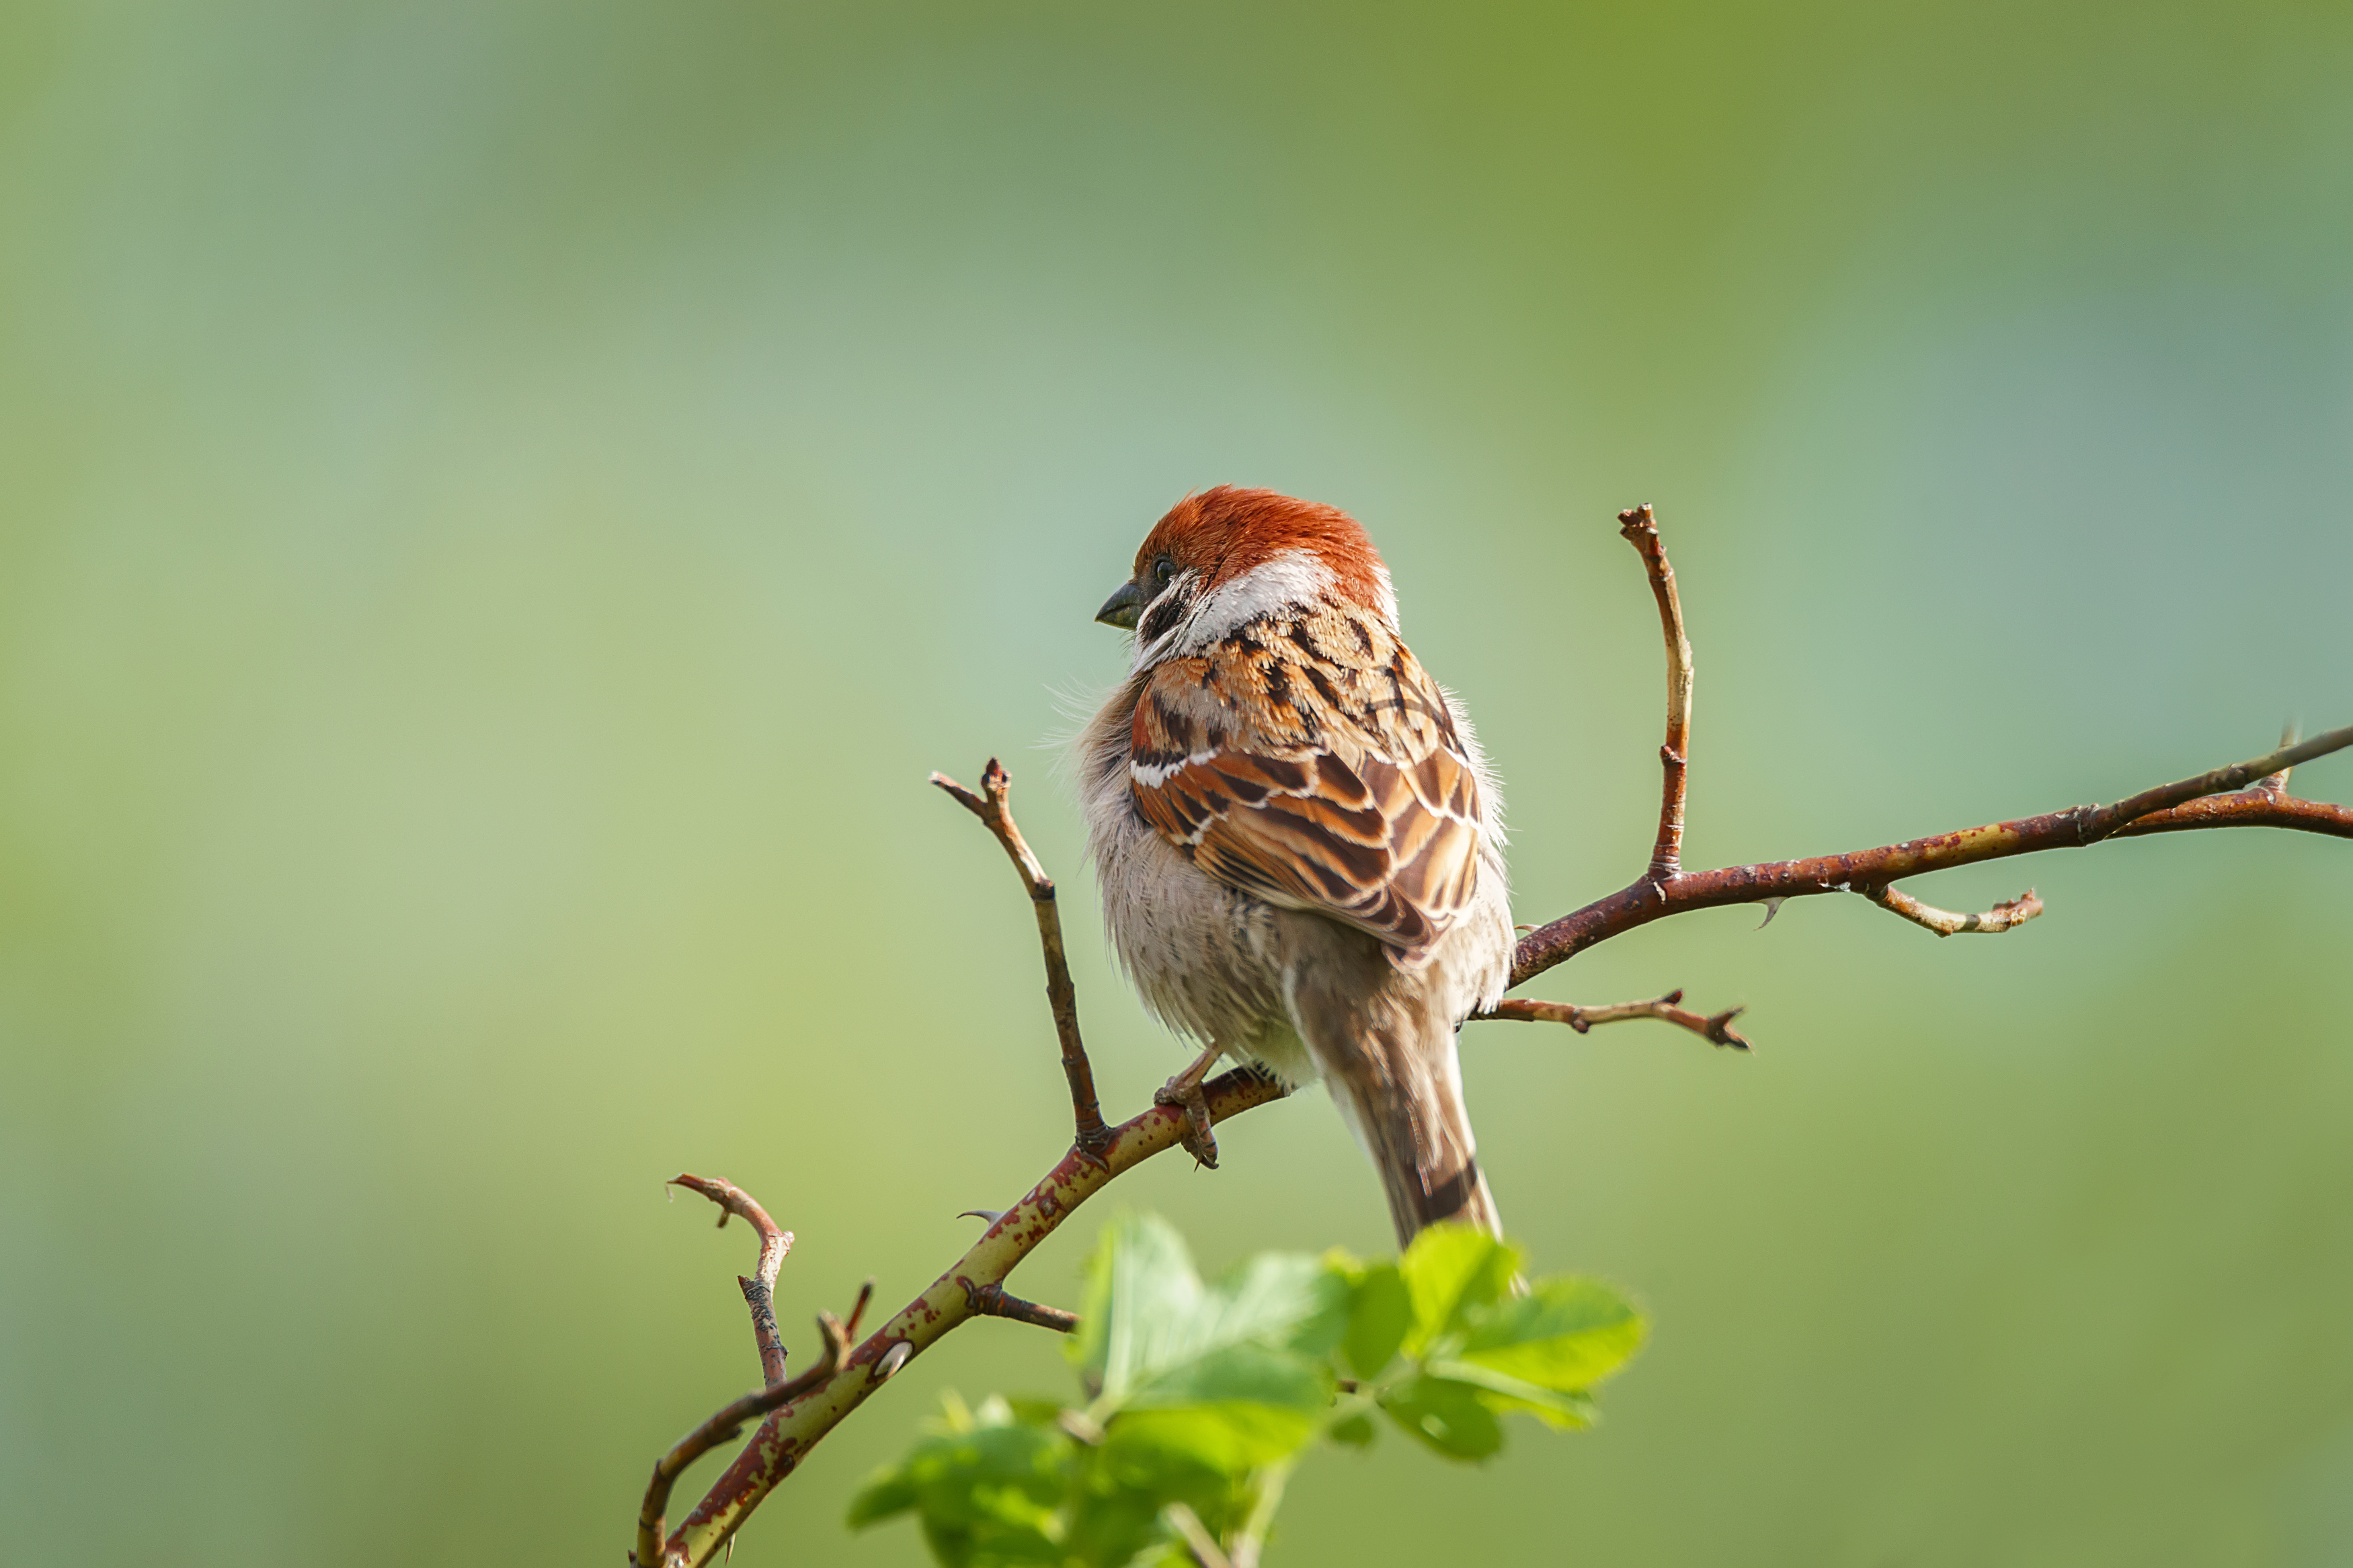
column 1201, row 1396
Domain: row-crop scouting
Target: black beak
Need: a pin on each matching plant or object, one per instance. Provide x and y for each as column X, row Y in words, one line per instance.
column 1122, row 608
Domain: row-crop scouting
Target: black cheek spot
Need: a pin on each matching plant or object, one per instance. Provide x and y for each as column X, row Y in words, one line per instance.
column 1162, row 618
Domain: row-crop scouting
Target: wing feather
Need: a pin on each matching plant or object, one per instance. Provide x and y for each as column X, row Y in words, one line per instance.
column 1311, row 760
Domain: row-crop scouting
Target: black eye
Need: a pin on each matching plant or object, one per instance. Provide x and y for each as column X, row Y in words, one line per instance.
column 1163, row 570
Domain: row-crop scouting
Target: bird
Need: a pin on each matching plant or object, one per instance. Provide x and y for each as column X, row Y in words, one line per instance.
column 1297, row 840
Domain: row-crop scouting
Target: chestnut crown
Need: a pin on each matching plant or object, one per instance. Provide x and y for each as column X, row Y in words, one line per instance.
column 1234, row 540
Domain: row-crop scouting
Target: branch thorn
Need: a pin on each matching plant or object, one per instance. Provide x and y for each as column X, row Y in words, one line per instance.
column 858, row 1307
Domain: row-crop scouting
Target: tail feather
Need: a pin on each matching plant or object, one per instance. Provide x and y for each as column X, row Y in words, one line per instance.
column 1383, row 1040
column 1416, row 1131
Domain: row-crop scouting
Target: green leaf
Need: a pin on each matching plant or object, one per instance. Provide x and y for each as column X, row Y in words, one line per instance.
column 1281, row 1298
column 1243, row 1372
column 987, row 1493
column 1118, row 1527
column 1140, row 1281
column 1500, row 1394
column 886, row 1495
column 1206, row 1456
column 1156, row 1315
column 1449, row 1416
column 1564, row 1334
column 1561, row 1412
column 1206, row 1394
column 1380, row 1313
column 1450, row 1271
column 1155, row 1449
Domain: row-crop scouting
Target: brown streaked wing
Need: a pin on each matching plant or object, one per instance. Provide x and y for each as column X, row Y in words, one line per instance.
column 1378, row 825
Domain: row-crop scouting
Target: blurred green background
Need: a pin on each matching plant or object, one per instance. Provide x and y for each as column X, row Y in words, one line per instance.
column 502, row 504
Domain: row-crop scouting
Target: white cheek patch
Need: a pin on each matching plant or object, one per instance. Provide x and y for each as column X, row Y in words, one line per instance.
column 1291, row 580
column 1151, row 650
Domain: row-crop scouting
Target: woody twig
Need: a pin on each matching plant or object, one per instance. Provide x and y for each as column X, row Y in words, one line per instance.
column 759, row 1295
column 2221, row 797
column 796, row 1414
column 1715, row 1028
column 992, row 807
column 760, row 1289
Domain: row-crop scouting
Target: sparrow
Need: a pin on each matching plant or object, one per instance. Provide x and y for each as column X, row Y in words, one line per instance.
column 1298, row 841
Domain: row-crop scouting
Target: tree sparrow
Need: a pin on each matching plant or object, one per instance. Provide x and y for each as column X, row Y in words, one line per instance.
column 1299, row 843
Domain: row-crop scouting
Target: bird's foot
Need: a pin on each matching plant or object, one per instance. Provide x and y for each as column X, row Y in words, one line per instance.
column 1184, row 1091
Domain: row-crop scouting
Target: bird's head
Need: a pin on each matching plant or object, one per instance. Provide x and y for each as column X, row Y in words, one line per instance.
column 1225, row 557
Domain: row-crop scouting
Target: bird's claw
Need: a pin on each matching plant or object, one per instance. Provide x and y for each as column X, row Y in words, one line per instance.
column 1199, row 1141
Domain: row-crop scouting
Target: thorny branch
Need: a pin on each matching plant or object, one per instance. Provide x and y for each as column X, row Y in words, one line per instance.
column 819, row 1401
column 1866, row 871
column 1716, row 1028
column 759, row 1295
column 759, row 1291
column 1642, row 530
column 990, row 807
column 1657, row 893
column 796, row 1414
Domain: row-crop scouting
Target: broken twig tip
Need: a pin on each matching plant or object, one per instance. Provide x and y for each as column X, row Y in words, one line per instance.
column 2006, row 915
